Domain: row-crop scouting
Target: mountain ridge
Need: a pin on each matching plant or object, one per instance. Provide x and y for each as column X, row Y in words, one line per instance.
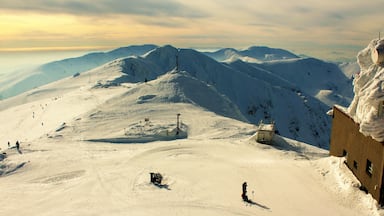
column 248, row 92
column 56, row 70
column 251, row 54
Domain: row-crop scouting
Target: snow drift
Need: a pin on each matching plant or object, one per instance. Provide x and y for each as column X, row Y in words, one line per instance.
column 368, row 86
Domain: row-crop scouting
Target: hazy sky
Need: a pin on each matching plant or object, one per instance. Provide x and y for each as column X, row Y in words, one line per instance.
column 325, row 29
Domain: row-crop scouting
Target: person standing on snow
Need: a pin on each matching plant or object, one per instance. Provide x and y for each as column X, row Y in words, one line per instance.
column 244, row 194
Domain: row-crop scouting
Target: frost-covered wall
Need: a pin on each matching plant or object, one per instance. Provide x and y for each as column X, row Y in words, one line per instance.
column 369, row 93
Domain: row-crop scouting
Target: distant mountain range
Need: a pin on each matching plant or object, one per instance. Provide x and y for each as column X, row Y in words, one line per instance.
column 64, row 68
column 256, row 84
column 252, row 54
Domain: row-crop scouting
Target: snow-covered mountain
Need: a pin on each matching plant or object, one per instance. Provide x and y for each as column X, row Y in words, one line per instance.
column 252, row 54
column 89, row 142
column 26, row 80
column 86, row 149
column 329, row 82
column 227, row 91
column 268, row 91
column 314, row 77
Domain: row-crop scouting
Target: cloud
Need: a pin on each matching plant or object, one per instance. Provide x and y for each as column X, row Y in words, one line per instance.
column 240, row 23
column 105, row 7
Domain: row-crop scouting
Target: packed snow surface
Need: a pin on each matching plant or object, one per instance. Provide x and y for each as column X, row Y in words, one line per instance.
column 61, row 170
column 366, row 107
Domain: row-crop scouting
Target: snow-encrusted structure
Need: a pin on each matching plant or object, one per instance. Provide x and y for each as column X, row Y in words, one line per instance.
column 367, row 105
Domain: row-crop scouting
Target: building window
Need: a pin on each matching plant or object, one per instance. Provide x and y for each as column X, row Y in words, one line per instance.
column 355, row 164
column 369, row 168
column 345, row 154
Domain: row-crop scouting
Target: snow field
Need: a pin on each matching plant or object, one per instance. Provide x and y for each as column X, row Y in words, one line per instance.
column 202, row 176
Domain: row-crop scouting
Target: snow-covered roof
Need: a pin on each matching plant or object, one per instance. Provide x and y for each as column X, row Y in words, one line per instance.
column 266, row 127
column 367, row 103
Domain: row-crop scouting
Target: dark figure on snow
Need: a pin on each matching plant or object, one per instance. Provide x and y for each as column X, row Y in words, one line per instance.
column 156, row 178
column 9, row 145
column 17, row 145
column 244, row 194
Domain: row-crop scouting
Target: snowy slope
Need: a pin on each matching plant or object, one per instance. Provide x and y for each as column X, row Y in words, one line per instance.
column 314, row 76
column 181, row 87
column 59, row 172
column 323, row 80
column 350, row 69
column 258, row 99
column 64, row 68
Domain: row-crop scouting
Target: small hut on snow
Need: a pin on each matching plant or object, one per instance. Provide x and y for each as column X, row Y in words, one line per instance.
column 264, row 133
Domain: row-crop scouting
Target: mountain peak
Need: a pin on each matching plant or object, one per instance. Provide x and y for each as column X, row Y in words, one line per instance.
column 132, row 50
column 268, row 54
column 252, row 54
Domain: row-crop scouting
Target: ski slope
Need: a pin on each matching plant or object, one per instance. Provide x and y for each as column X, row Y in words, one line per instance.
column 61, row 170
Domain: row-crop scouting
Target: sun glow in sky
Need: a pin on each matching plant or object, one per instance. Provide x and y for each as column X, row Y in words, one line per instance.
column 325, row 29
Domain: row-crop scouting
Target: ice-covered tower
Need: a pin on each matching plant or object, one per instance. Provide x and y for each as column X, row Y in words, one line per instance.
column 367, row 107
